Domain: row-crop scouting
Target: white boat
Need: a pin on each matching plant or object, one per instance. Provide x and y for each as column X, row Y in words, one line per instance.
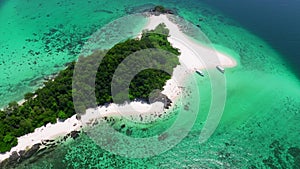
column 220, row 68
column 200, row 72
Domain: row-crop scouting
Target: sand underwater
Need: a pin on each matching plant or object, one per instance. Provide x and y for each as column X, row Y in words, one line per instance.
column 259, row 127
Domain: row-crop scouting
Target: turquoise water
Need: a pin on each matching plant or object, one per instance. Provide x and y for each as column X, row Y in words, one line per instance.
column 260, row 122
column 277, row 28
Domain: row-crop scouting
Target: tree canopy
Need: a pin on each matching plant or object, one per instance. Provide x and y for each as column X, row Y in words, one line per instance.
column 54, row 101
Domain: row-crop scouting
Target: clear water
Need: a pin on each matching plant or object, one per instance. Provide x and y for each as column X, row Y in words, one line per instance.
column 273, row 20
column 261, row 117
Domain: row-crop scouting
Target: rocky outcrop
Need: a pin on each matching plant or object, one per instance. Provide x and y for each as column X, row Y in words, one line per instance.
column 153, row 9
column 157, row 96
column 17, row 157
column 74, row 134
column 31, row 151
column 14, row 157
column 161, row 10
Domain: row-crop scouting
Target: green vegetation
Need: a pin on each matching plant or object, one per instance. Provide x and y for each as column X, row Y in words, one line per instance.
column 147, row 80
column 160, row 8
column 62, row 115
column 54, row 101
column 163, row 10
column 54, row 97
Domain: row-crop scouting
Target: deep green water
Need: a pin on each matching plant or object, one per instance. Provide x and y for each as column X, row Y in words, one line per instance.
column 260, row 121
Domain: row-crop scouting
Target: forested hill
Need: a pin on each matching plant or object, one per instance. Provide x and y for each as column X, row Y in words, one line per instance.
column 55, row 99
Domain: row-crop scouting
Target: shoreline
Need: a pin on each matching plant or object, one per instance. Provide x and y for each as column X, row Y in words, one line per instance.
column 189, row 62
column 41, row 134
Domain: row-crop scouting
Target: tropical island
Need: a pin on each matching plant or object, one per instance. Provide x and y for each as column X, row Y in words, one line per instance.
column 53, row 104
column 54, row 101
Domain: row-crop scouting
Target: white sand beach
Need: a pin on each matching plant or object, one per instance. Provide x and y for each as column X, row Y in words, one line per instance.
column 193, row 56
column 48, row 132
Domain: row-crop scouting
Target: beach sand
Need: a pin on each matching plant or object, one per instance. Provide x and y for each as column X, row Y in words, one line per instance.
column 48, row 132
column 193, row 56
